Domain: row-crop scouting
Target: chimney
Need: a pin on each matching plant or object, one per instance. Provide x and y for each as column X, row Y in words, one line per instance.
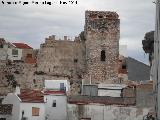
column 65, row 37
column 17, row 91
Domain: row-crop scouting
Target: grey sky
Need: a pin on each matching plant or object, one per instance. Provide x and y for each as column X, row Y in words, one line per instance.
column 33, row 23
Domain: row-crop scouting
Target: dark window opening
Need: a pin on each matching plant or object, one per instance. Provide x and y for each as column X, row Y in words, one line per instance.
column 2, row 118
column 100, row 16
column 75, row 60
column 54, row 103
column 124, row 66
column 34, row 81
column 14, row 52
column 1, row 46
column 103, row 55
column 62, row 87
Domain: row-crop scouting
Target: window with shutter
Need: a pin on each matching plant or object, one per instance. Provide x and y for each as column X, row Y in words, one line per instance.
column 35, row 111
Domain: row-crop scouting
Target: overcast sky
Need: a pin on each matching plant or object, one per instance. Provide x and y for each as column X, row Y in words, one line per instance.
column 33, row 23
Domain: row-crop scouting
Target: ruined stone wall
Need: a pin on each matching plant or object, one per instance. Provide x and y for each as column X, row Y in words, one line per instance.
column 77, row 59
column 60, row 57
column 102, row 46
column 63, row 58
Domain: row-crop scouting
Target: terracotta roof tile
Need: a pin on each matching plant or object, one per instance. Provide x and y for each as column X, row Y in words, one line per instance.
column 53, row 92
column 31, row 96
column 22, row 46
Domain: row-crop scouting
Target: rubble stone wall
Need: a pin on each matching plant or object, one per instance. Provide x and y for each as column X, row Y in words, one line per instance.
column 102, row 34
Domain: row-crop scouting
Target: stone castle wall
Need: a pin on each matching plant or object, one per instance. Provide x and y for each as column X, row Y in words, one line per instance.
column 77, row 59
column 102, row 35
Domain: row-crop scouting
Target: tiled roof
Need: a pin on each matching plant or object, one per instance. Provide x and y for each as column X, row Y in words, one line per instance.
column 6, row 109
column 53, row 92
column 22, row 46
column 101, row 100
column 31, row 96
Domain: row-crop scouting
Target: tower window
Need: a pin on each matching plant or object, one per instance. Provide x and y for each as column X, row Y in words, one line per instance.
column 75, row 60
column 103, row 55
column 100, row 16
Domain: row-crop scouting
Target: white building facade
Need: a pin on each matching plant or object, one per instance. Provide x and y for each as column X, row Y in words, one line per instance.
column 56, row 105
column 59, row 85
column 24, row 108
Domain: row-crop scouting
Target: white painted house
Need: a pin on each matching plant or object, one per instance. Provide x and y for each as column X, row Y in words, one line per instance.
column 60, row 85
column 14, row 53
column 27, row 105
column 6, row 111
column 56, row 99
column 56, row 105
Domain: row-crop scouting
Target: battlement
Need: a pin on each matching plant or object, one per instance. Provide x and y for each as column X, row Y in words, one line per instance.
column 101, row 15
column 52, row 38
column 102, row 21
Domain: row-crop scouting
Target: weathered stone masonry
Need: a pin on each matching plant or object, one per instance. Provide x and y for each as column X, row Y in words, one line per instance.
column 102, row 46
column 93, row 56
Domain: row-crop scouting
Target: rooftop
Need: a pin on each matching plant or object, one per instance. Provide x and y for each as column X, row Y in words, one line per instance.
column 53, row 92
column 137, row 71
column 22, row 46
column 101, row 100
column 31, row 96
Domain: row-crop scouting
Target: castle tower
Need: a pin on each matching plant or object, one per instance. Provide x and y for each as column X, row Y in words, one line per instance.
column 102, row 31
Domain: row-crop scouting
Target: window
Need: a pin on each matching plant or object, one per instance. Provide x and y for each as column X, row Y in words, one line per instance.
column 1, row 46
column 35, row 111
column 75, row 60
column 54, row 103
column 85, row 118
column 100, row 16
column 62, row 87
column 14, row 52
column 2, row 118
column 34, row 81
column 124, row 66
column 103, row 55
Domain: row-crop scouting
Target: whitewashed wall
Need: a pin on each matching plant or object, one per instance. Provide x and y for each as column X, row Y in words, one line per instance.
column 104, row 112
column 13, row 99
column 11, row 57
column 60, row 111
column 55, row 84
column 8, row 117
column 112, row 93
column 27, row 108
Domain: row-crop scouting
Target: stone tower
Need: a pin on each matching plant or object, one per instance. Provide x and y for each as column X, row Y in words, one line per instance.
column 102, row 32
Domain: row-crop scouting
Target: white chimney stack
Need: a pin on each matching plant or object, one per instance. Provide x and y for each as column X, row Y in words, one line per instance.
column 17, row 91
